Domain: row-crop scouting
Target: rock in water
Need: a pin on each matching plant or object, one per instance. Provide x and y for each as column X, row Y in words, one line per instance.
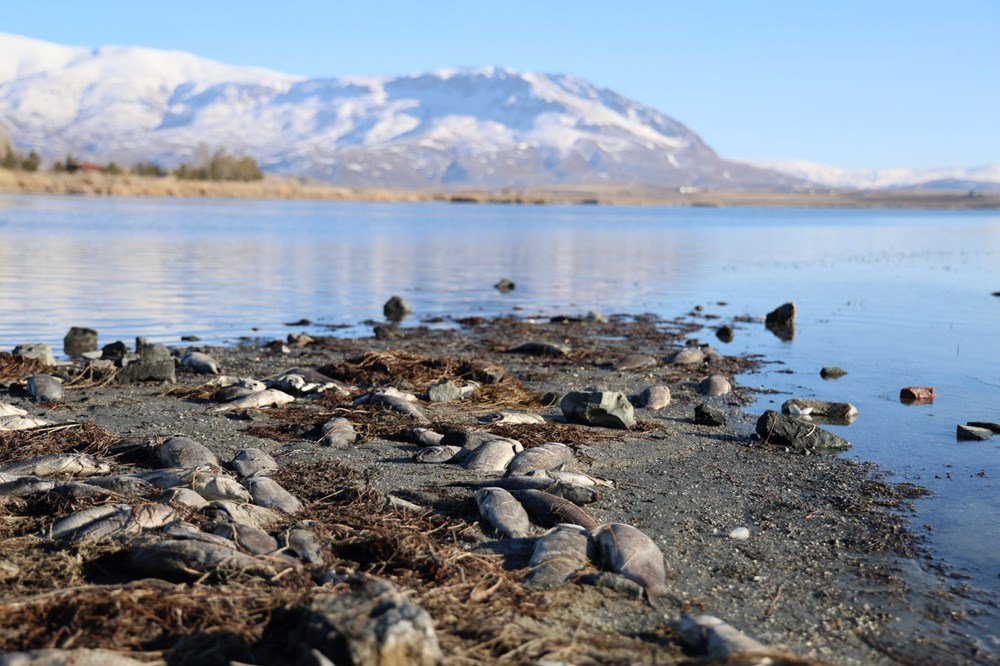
column 499, row 508
column 79, row 341
column 969, row 433
column 370, row 622
column 781, row 321
column 609, row 409
column 654, row 397
column 709, row 416
column 504, row 286
column 396, row 309
column 45, row 388
column 780, row 430
column 714, row 386
column 558, row 556
column 917, row 394
column 628, row 551
column 725, row 333
column 36, row 350
column 203, row 364
column 832, row 372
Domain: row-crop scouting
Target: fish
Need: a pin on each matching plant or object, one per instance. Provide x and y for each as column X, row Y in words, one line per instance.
column 250, row 539
column 244, row 513
column 79, row 464
column 633, row 362
column 183, row 497
column 22, row 486
column 58, row 657
column 267, row 493
column 45, row 388
column 218, row 487
column 491, row 456
column 545, row 456
column 253, row 462
column 440, row 454
column 306, row 380
column 123, row 484
column 258, row 400
column 514, row 418
column 713, row 638
column 421, row 436
column 180, row 451
column 338, row 432
column 569, row 491
column 180, row 529
column 396, row 401
column 10, row 410
column 234, row 392
column 201, row 363
column 626, row 550
column 540, row 349
column 575, row 478
column 111, row 520
column 549, row 510
column 499, row 508
column 305, row 544
column 186, row 559
column 21, row 422
column 558, row 555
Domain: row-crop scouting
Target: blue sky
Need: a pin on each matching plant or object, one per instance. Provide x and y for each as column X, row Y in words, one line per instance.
column 854, row 84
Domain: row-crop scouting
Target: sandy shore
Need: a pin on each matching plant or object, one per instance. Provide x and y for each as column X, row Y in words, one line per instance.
column 275, row 187
column 830, row 571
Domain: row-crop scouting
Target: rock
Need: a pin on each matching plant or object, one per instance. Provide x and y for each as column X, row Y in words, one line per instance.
column 709, row 416
column 300, row 339
column 968, row 433
column 185, row 452
column 45, row 388
column 269, row 494
column 253, row 462
column 717, row 640
column 597, row 316
column 388, row 332
column 504, row 286
column 780, row 430
column 833, row 410
column 714, row 386
column 539, row 349
column 725, row 333
column 781, row 321
column 992, row 427
column 633, row 362
column 366, row 621
column 396, row 309
column 688, row 356
column 36, row 350
column 114, row 351
column 609, row 409
column 654, row 397
column 740, row 534
column 444, row 391
column 339, row 433
column 832, row 372
column 919, row 394
column 190, row 338
column 155, row 364
column 201, row 363
column 79, row 340
column 482, row 372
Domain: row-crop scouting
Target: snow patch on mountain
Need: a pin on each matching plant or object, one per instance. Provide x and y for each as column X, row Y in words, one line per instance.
column 831, row 176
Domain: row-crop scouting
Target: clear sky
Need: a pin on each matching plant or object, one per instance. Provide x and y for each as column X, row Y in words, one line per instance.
column 851, row 83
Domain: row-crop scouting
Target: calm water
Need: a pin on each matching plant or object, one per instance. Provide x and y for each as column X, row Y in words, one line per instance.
column 896, row 297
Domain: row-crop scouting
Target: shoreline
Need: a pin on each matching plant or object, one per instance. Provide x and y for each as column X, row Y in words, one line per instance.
column 824, row 572
column 284, row 188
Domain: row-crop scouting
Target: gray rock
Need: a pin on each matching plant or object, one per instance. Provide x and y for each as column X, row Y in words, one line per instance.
column 780, row 430
column 396, row 309
column 968, row 433
column 45, row 388
column 725, row 333
column 444, row 391
column 389, row 332
column 539, row 349
column 654, row 397
column 714, row 386
column 185, row 452
column 155, row 364
column 688, row 356
column 709, row 416
column 781, row 321
column 79, row 340
column 633, row 362
column 504, row 286
column 114, row 351
column 609, row 409
column 369, row 622
column 484, row 373
column 36, row 350
column 832, row 372
column 201, row 363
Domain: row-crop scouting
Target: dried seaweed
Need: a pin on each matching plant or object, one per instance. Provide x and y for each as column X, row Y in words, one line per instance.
column 385, row 368
column 63, row 438
column 16, row 368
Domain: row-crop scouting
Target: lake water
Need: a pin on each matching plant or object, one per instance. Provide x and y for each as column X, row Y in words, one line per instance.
column 897, row 298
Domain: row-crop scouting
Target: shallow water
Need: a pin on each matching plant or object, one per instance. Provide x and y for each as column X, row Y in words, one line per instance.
column 897, row 298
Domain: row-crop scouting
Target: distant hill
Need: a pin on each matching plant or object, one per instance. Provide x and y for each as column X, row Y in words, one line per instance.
column 486, row 127
column 956, row 179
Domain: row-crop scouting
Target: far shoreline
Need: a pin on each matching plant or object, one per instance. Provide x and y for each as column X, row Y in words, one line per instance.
column 286, row 188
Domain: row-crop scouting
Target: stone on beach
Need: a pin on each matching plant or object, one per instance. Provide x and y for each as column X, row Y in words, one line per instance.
column 79, row 340
column 709, row 416
column 36, row 350
column 714, row 386
column 253, row 462
column 609, row 409
column 688, row 356
column 780, row 430
column 633, row 362
column 654, row 397
column 155, row 364
column 201, row 363
column 396, row 309
column 444, row 391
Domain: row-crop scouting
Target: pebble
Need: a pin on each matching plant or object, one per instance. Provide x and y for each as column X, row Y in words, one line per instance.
column 740, row 534
column 781, row 321
column 609, row 409
column 832, row 372
column 654, row 397
column 444, row 391
column 714, row 386
column 709, row 416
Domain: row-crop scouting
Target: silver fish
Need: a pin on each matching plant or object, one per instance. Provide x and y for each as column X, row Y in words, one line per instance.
column 21, row 422
column 305, row 544
column 491, row 456
column 404, row 403
column 253, row 462
column 575, row 478
column 250, row 539
column 179, row 529
column 244, row 513
column 257, row 400
column 306, row 380
column 712, row 637
column 80, row 464
column 22, row 486
column 219, row 487
column 421, row 437
column 628, row 551
column 45, row 388
column 189, row 558
column 339, row 433
column 123, row 484
column 112, row 520
column 183, row 497
column 559, row 555
column 185, row 452
column 499, row 508
column 549, row 510
column 267, row 493
column 514, row 418
column 569, row 491
column 10, row 410
column 201, row 363
column 546, row 456
column 440, row 454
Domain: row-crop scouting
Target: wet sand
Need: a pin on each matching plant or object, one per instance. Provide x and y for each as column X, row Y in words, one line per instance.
column 830, row 572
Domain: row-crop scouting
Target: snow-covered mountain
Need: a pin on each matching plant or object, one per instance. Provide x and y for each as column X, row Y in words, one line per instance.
column 953, row 178
column 489, row 127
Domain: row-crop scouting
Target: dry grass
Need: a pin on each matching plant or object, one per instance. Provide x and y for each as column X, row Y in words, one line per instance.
column 16, row 368
column 89, row 438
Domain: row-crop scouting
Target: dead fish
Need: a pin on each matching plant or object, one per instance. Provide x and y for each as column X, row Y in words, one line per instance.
column 633, row 362
column 575, row 478
column 539, row 349
column 45, row 388
column 213, row 486
column 22, row 486
column 440, row 454
column 395, row 400
column 258, row 400
column 244, row 513
column 201, row 363
column 78, row 657
column 235, row 392
column 185, row 559
column 250, row 539
column 339, row 433
column 76, row 489
column 253, row 462
column 180, row 529
column 111, row 520
column 21, row 422
column 654, row 397
column 688, row 356
column 393, row 502
column 513, row 418
column 183, row 497
column 499, row 508
column 305, row 544
column 123, row 484
column 267, row 493
column 545, row 456
column 713, row 638
column 562, row 552
column 492, row 456
column 173, row 477
column 421, row 436
column 549, row 510
column 628, row 551
column 79, row 464
column 306, row 380
column 10, row 410
column 180, row 451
